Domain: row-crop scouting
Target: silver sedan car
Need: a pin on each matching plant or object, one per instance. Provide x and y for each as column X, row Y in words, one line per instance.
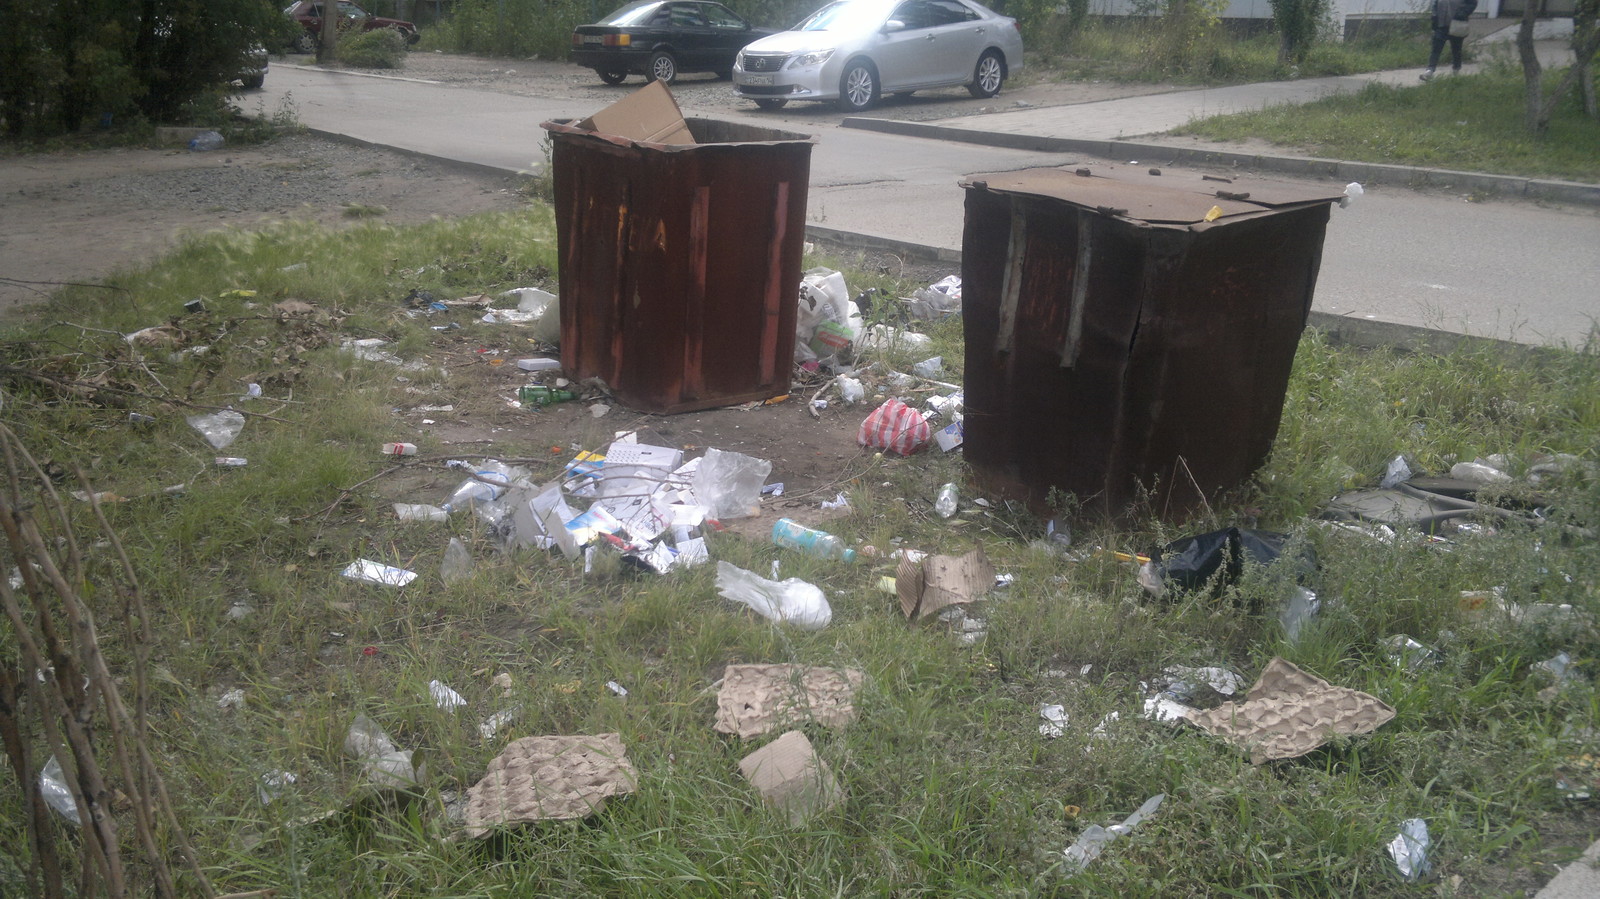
column 854, row 51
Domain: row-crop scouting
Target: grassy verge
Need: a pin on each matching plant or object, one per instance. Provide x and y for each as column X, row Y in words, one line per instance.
column 1136, row 50
column 952, row 789
column 1471, row 123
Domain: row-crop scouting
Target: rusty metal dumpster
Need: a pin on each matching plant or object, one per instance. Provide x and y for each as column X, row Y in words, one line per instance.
column 680, row 263
column 1122, row 348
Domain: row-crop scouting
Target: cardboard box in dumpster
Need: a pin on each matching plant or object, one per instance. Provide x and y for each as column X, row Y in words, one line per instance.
column 649, row 114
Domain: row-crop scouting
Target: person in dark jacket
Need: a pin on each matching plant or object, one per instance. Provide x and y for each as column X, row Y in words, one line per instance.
column 1446, row 12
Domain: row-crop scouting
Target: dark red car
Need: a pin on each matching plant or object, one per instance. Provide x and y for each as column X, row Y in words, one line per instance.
column 309, row 14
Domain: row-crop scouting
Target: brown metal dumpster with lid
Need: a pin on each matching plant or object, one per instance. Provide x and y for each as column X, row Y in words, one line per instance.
column 1119, row 346
column 680, row 262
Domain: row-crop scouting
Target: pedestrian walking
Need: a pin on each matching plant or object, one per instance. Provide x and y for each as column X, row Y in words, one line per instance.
column 1449, row 24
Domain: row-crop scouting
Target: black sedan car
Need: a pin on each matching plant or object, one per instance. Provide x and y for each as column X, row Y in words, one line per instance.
column 661, row 38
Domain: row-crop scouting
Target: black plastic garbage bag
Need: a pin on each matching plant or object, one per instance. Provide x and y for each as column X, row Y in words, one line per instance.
column 1191, row 563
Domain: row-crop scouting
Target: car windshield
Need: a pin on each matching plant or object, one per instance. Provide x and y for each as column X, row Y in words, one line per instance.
column 632, row 14
column 846, row 15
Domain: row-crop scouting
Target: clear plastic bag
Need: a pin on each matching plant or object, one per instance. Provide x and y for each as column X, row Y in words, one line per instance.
column 218, row 428
column 53, row 787
column 457, row 563
column 729, row 484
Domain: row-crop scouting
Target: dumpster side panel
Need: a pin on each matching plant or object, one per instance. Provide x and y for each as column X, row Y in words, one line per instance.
column 1045, row 367
column 592, row 203
column 680, row 266
column 1216, row 346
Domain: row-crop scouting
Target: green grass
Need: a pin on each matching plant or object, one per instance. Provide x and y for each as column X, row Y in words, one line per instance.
column 951, row 789
column 1470, row 123
column 1135, row 50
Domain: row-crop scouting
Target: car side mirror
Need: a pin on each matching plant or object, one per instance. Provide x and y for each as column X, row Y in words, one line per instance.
column 893, row 25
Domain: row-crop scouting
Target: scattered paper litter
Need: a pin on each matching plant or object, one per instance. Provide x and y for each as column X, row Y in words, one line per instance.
column 549, row 778
column 444, row 697
column 792, row 778
column 1055, row 720
column 758, row 699
column 1409, row 849
column 378, row 573
column 1288, row 713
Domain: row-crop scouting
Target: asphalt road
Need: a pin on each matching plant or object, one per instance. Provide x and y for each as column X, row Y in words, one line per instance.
column 1507, row 269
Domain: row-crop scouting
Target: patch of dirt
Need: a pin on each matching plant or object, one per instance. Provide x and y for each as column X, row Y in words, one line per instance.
column 81, row 216
column 815, row 458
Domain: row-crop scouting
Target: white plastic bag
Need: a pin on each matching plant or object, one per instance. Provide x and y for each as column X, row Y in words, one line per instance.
column 792, row 601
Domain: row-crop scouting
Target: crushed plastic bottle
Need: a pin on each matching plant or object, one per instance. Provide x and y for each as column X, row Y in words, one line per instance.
column 399, row 449
column 823, row 545
column 945, row 503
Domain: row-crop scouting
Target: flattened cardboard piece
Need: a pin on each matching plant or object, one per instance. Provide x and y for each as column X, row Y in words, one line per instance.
column 791, row 777
column 549, row 778
column 1288, row 713
column 940, row 581
column 759, row 699
column 649, row 114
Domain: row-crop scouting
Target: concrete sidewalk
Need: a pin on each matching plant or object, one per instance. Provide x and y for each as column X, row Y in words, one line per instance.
column 1134, row 128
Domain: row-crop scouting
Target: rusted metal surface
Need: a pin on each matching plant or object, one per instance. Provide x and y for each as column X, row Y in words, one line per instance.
column 1121, row 348
column 680, row 263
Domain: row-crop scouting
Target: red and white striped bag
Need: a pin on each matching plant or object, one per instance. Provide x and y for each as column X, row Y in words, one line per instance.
column 896, row 427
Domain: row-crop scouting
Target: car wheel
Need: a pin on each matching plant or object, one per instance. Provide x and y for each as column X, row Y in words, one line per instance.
column 663, row 68
column 305, row 43
column 611, row 77
column 254, row 82
column 987, row 77
column 858, row 87
column 770, row 103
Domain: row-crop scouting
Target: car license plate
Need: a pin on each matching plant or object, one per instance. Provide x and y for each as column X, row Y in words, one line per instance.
column 758, row 79
column 593, row 39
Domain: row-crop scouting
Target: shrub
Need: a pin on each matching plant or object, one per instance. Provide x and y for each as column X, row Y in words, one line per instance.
column 380, row 48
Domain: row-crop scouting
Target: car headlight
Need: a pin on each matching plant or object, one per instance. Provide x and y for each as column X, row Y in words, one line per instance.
column 814, row 58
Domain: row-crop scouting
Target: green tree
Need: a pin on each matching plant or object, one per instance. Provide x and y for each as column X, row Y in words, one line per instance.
column 1298, row 22
column 69, row 62
column 1585, row 43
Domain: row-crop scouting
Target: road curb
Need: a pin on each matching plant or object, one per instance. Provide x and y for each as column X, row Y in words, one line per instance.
column 1516, row 187
column 1340, row 329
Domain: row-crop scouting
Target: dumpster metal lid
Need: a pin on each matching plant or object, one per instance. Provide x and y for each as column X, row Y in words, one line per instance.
column 1139, row 197
column 708, row 134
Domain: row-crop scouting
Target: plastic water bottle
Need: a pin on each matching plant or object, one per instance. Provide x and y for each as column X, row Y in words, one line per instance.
column 945, row 503
column 823, row 545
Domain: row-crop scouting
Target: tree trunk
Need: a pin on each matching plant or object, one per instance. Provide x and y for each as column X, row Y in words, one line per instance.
column 1532, row 72
column 328, row 39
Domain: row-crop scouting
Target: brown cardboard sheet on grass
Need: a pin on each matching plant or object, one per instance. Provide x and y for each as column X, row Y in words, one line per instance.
column 1288, row 713
column 758, row 699
column 649, row 114
column 792, row 778
column 927, row 586
column 549, row 778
